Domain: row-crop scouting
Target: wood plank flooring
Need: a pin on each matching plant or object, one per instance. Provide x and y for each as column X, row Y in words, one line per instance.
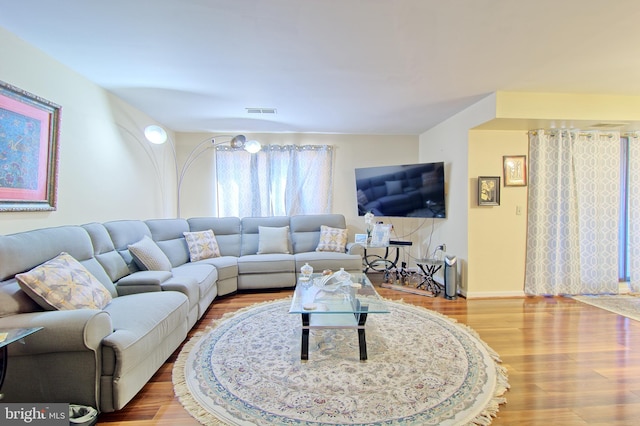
column 569, row 363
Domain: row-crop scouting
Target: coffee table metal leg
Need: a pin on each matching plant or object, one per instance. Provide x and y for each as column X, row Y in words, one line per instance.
column 363, row 344
column 3, row 366
column 304, row 352
column 362, row 339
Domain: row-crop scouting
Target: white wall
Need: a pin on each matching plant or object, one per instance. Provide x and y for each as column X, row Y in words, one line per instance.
column 104, row 173
column 107, row 171
column 448, row 142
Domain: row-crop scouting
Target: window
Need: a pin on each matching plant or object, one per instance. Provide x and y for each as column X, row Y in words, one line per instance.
column 279, row 180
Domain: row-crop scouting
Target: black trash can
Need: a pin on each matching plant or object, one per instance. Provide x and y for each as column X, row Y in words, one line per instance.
column 82, row 415
column 450, row 277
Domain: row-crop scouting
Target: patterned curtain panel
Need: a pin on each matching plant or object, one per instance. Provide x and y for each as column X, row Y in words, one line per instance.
column 279, row 180
column 574, row 198
column 633, row 233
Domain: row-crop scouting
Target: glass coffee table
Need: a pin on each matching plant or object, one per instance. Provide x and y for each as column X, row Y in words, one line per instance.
column 335, row 302
column 7, row 337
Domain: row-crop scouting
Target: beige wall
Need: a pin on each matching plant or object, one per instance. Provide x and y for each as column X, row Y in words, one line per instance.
column 497, row 234
column 104, row 173
column 351, row 152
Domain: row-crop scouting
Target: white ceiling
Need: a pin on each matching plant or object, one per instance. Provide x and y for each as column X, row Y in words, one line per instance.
column 335, row 66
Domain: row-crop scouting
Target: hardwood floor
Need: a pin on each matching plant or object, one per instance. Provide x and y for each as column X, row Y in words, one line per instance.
column 569, row 363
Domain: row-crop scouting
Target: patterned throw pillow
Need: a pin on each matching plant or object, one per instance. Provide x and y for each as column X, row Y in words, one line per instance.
column 62, row 283
column 332, row 239
column 202, row 245
column 148, row 255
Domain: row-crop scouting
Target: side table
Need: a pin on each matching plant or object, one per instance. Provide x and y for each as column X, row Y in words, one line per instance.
column 429, row 267
column 371, row 261
column 7, row 337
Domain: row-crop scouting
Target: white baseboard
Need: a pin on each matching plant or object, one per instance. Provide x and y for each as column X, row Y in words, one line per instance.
column 494, row 294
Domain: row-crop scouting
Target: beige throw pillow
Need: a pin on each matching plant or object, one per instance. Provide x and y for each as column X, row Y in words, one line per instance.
column 332, row 239
column 148, row 255
column 62, row 283
column 202, row 245
column 273, row 240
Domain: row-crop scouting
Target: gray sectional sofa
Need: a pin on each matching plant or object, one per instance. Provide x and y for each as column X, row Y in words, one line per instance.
column 102, row 357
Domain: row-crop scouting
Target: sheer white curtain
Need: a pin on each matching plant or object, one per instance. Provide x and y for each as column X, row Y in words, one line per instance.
column 574, row 198
column 278, row 180
column 633, row 207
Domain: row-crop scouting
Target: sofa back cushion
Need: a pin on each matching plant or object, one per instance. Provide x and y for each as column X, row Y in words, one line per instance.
column 123, row 233
column 251, row 231
column 23, row 251
column 228, row 232
column 105, row 252
column 305, row 229
column 169, row 235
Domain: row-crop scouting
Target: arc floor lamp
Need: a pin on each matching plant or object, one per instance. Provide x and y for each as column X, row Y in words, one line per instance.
column 157, row 135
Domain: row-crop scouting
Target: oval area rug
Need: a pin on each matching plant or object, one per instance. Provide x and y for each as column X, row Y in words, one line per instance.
column 423, row 369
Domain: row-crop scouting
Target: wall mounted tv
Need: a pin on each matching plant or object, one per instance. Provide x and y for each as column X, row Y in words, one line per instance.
column 411, row 190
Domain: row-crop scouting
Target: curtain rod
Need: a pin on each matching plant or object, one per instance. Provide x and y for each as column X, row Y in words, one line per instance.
column 584, row 133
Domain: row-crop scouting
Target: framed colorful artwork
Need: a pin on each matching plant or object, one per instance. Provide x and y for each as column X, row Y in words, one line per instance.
column 29, row 137
column 488, row 190
column 515, row 170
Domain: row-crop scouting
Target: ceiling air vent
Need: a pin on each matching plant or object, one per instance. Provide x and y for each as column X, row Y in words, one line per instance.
column 261, row 111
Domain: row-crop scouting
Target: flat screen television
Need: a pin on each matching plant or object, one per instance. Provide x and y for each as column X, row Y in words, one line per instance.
column 409, row 190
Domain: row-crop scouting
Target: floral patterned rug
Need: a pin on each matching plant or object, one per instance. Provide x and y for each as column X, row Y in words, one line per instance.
column 622, row 304
column 422, row 369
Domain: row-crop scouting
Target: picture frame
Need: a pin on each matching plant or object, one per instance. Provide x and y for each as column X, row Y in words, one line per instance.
column 488, row 190
column 515, row 170
column 29, row 143
column 380, row 235
column 360, row 239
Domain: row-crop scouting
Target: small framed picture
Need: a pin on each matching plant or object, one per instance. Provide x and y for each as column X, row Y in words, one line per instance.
column 361, row 239
column 488, row 190
column 381, row 234
column 515, row 170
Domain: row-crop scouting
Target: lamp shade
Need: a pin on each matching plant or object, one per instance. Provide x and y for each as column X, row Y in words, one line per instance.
column 155, row 134
column 252, row 146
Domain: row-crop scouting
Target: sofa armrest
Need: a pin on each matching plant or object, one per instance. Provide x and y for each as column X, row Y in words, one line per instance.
column 142, row 282
column 63, row 331
column 355, row 248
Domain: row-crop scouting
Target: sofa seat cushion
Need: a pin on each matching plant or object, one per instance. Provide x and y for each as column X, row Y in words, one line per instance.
column 205, row 275
column 266, row 263
column 141, row 322
column 329, row 260
column 227, row 266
